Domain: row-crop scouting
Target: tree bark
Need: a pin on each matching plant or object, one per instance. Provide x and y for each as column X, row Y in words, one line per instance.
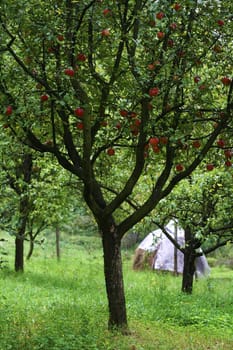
column 19, row 254
column 25, row 170
column 188, row 272
column 114, row 281
column 189, row 262
column 31, row 247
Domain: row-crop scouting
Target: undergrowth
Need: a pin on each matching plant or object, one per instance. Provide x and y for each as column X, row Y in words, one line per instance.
column 63, row 306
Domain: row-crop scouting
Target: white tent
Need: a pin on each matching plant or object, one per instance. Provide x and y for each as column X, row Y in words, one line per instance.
column 162, row 253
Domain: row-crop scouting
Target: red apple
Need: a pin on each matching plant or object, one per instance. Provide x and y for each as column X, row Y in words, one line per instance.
column 160, row 35
column 196, row 144
column 107, row 12
column 132, row 114
column 220, row 22
column 124, row 112
column 196, row 79
column 160, row 15
column 70, row 72
column 221, row 143
column 9, row 110
column 105, row 32
column 228, row 153
column 81, row 57
column 44, row 98
column 228, row 163
column 151, row 66
column 134, row 129
column 154, row 91
column 60, row 37
column 173, row 26
column 226, row 81
column 80, row 126
column 177, row 6
column 202, row 87
column 155, row 148
column 179, row 167
column 154, row 141
column 110, row 151
column 137, row 122
column 118, row 126
column 170, row 43
column 209, row 166
column 79, row 112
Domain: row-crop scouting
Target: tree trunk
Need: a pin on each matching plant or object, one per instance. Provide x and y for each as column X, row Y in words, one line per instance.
column 31, row 247
column 24, row 170
column 189, row 262
column 114, row 281
column 188, row 272
column 19, row 254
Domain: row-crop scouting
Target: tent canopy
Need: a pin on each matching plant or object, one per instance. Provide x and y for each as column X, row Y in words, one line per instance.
column 164, row 256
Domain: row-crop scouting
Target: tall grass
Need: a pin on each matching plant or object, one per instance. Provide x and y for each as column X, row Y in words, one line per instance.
column 63, row 306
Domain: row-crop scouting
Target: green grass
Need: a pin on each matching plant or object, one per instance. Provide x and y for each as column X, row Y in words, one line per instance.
column 63, row 306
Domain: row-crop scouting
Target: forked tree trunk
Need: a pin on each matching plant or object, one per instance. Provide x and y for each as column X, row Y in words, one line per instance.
column 114, row 281
column 188, row 272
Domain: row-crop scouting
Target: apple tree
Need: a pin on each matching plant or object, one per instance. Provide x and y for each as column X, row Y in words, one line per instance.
column 118, row 91
column 31, row 198
column 202, row 205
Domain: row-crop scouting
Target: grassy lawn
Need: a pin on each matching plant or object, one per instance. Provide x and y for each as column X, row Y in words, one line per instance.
column 63, row 306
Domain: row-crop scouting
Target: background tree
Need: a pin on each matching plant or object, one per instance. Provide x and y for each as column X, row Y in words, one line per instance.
column 112, row 89
column 202, row 205
column 31, row 198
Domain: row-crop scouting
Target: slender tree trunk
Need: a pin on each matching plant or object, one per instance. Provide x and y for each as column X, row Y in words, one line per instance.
column 114, row 281
column 24, row 210
column 31, row 247
column 175, row 253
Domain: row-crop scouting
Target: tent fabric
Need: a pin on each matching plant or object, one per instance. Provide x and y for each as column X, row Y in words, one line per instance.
column 165, row 256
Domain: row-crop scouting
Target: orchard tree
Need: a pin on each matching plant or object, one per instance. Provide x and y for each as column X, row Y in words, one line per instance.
column 19, row 182
column 202, row 205
column 118, row 91
column 31, row 198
